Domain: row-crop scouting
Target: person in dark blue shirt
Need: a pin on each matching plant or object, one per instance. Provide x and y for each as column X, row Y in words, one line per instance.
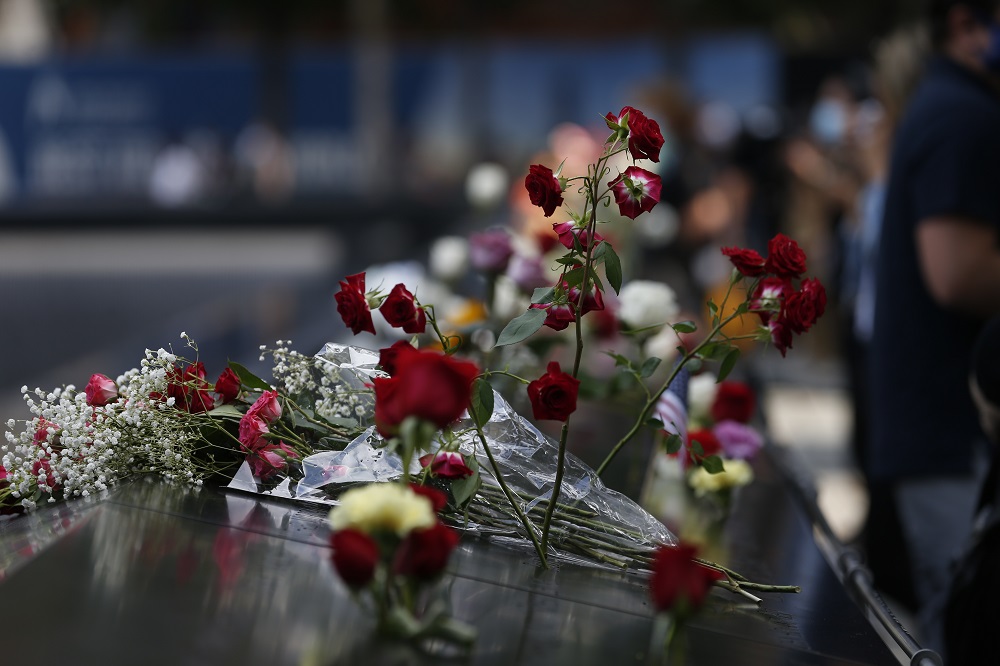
column 938, row 280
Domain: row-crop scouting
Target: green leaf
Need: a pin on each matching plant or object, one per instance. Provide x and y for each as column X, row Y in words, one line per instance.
column 728, row 363
column 685, row 327
column 226, row 411
column 465, row 489
column 713, row 309
column 673, row 444
column 481, row 405
column 522, row 327
column 620, row 361
column 655, row 423
column 743, row 308
column 696, row 448
column 543, row 295
column 649, row 366
column 249, row 379
column 574, row 277
column 712, row 464
column 715, row 351
column 612, row 267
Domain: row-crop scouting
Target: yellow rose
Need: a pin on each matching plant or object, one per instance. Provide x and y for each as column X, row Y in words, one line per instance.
column 382, row 507
column 735, row 473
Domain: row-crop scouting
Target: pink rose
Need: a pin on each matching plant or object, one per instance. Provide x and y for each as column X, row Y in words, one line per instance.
column 253, row 430
column 738, row 440
column 489, row 251
column 100, row 390
column 267, row 406
column 446, row 464
column 228, row 386
column 543, row 188
column 644, row 137
column 269, row 460
column 570, row 235
column 636, row 191
column 353, row 306
column 400, row 311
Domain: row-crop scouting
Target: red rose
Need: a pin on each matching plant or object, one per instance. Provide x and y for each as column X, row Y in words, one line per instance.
column 446, row 464
column 200, row 401
column 710, row 446
column 194, row 374
column 636, row 191
column 41, row 437
column 489, row 251
column 228, row 386
column 543, row 188
column 734, row 401
column 424, row 553
column 593, row 300
column 427, row 384
column 43, row 469
column 784, row 257
column 781, row 334
column 353, row 306
column 644, row 137
column 679, row 583
column 267, row 407
column 438, row 499
column 748, row 262
column 100, row 390
column 355, row 556
column 768, row 299
column 387, row 357
column 252, row 432
column 804, row 307
column 401, row 311
column 557, row 316
column 568, row 232
column 553, row 395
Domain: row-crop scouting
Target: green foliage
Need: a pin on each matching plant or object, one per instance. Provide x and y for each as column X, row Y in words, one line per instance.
column 521, row 327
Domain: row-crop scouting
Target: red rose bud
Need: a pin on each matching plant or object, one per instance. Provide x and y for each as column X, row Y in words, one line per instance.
column 446, row 464
column 553, row 395
column 710, row 446
column 784, row 257
column 734, row 401
column 100, row 390
column 781, row 334
column 387, row 357
column 804, row 307
column 355, row 557
column 353, row 306
column 636, row 191
column 748, row 262
column 428, row 385
column 489, row 251
column 438, row 499
column 543, row 188
column 568, row 232
column 644, row 137
column 228, row 386
column 424, row 553
column 401, row 311
column 679, row 583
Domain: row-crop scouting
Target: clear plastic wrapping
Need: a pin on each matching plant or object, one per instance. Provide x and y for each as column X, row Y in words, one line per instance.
column 592, row 523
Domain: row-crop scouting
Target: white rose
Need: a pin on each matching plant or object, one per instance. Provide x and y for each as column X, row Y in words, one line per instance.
column 644, row 304
column 663, row 345
column 382, row 507
column 449, row 258
column 701, row 395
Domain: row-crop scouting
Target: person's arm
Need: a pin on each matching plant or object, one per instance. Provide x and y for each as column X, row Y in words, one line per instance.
column 960, row 262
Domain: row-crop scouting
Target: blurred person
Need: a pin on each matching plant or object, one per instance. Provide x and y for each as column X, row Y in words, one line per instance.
column 177, row 176
column 265, row 161
column 938, row 279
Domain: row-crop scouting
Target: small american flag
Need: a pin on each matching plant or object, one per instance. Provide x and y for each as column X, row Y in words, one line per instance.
column 671, row 408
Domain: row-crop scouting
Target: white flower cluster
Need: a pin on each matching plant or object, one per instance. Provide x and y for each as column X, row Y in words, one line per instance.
column 73, row 449
column 646, row 304
column 308, row 378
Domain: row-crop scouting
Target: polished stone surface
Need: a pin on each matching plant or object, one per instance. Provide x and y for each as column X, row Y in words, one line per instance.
column 160, row 574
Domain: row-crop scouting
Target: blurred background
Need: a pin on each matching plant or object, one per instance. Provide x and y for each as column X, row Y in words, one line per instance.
column 216, row 167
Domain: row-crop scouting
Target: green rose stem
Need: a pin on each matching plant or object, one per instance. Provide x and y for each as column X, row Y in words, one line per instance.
column 528, row 527
column 651, row 402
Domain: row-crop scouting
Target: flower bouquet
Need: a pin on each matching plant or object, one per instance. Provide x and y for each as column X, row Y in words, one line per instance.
column 415, row 413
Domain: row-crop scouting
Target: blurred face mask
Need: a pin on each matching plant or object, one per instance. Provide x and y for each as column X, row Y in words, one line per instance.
column 828, row 121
